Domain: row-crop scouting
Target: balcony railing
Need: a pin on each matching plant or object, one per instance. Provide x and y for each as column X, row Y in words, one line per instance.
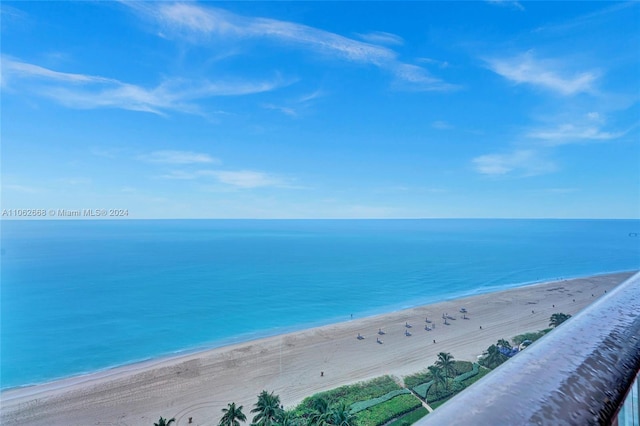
column 580, row 374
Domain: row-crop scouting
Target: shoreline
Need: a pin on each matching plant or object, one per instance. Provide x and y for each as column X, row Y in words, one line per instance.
column 256, row 336
column 201, row 382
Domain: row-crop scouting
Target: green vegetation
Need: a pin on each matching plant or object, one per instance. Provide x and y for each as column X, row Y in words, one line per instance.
column 356, row 407
column 164, row 422
column 268, row 409
column 410, row 418
column 493, row 358
column 382, row 413
column 417, row 379
column 446, row 363
column 437, row 393
column 421, row 390
column 482, row 371
column 354, row 393
column 533, row 336
column 557, row 319
column 439, row 379
column 468, row 374
column 377, row 402
column 463, row 367
column 232, row 415
column 502, row 343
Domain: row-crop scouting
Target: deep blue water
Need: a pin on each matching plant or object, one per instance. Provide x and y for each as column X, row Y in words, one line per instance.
column 79, row 296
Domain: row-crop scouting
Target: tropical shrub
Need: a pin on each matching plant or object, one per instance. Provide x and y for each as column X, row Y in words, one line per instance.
column 382, row 413
column 417, row 379
column 434, row 394
column 533, row 336
column 474, row 370
column 557, row 319
column 350, row 394
column 462, row 366
column 356, row 407
column 410, row 418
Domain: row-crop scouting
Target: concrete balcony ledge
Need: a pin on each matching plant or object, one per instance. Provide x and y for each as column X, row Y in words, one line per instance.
column 579, row 374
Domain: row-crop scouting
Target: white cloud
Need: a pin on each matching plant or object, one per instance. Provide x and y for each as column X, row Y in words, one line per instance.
column 243, row 179
column 594, row 116
column 178, row 157
column 89, row 92
column 200, row 24
column 248, row 179
column 413, row 77
column 508, row 3
column 285, row 110
column 441, row 64
column 381, row 37
column 19, row 69
column 548, row 74
column 520, row 162
column 570, row 133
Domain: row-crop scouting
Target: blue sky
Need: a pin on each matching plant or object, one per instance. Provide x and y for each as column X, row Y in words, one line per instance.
column 323, row 110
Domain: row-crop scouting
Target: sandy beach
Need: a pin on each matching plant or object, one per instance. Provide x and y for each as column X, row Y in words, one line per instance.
column 199, row 385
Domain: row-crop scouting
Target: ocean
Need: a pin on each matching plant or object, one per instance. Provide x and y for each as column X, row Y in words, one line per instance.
column 80, row 296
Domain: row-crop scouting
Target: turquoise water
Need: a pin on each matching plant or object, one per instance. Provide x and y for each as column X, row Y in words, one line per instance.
column 80, row 296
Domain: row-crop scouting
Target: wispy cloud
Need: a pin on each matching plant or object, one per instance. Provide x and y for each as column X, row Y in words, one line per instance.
column 545, row 73
column 241, row 179
column 583, row 128
column 570, row 133
column 381, row 37
column 89, row 92
column 413, row 77
column 507, row 3
column 285, row 110
column 519, row 162
column 441, row 125
column 178, row 157
column 248, row 179
column 431, row 61
column 199, row 24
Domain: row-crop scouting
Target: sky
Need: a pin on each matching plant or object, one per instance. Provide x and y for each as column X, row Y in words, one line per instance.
column 485, row 109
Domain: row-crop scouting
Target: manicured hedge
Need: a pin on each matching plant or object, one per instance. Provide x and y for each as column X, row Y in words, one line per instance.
column 423, row 389
column 468, row 374
column 356, row 407
column 382, row 413
column 410, row 418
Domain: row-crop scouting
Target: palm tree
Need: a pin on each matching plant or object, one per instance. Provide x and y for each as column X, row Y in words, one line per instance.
column 557, row 319
column 340, row 415
column 164, row 422
column 268, row 409
column 438, row 377
column 232, row 415
column 447, row 364
column 287, row 418
column 502, row 343
column 494, row 357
